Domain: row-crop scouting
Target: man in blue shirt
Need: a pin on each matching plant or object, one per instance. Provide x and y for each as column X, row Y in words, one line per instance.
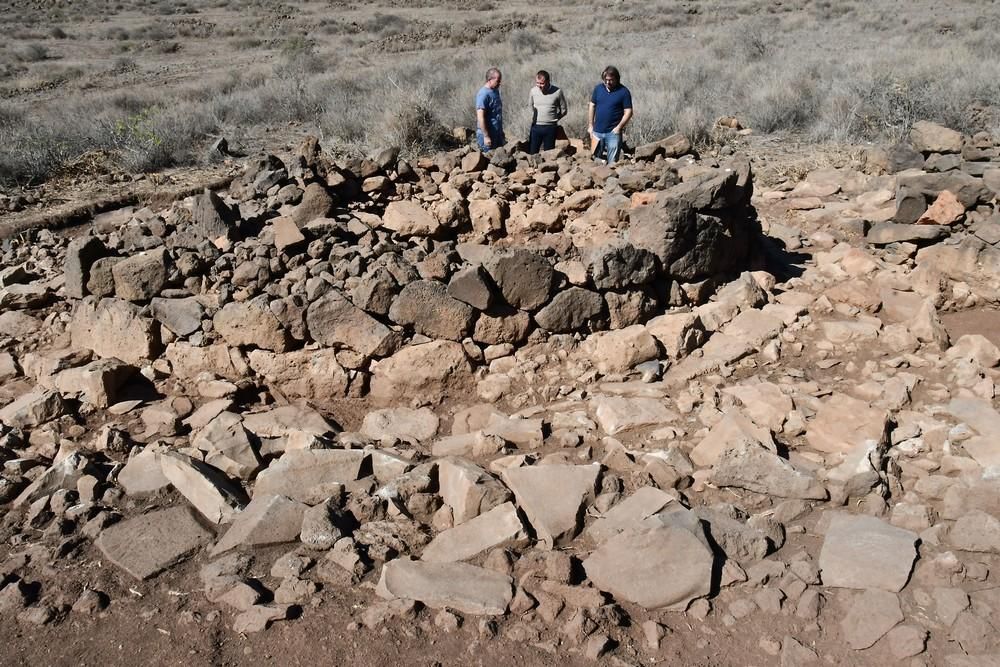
column 609, row 112
column 489, row 113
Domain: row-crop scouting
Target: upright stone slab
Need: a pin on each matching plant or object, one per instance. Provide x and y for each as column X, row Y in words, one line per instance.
column 554, row 498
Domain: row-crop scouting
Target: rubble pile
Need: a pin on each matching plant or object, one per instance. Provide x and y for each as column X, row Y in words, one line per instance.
column 682, row 452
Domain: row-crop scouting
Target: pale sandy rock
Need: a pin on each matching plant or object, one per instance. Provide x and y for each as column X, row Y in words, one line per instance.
column 617, row 414
column 287, row 419
column 844, row 331
column 754, row 327
column 187, row 361
column 407, row 424
column 946, row 210
column 763, row 402
column 976, row 531
column 251, row 323
column 619, row 351
column 523, row 432
column 720, row 350
column 333, row 321
column 974, row 347
column 678, row 333
column 308, row 374
column 417, row 369
column 468, row 489
column 733, row 430
column 32, row 409
column 143, row 474
column 928, row 137
column 115, row 328
column 553, row 497
column 755, row 468
column 842, row 423
column 409, row 218
column 62, row 474
column 465, row 588
column 499, row 526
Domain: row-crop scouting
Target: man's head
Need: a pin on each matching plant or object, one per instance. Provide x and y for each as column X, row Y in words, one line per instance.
column 542, row 79
column 611, row 77
column 493, row 78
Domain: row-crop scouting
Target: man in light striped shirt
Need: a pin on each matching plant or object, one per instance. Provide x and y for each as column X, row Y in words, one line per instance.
column 548, row 107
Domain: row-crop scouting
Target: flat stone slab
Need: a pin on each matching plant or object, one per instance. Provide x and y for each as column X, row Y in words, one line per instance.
column 884, row 233
column 629, row 513
column 301, row 474
column 501, row 525
column 980, row 415
column 872, row 614
column 407, row 424
column 865, row 552
column 755, row 468
column 616, row 414
column 465, row 588
column 149, row 544
column 720, row 350
column 666, row 566
column 265, row 520
column 843, row 422
column 553, row 497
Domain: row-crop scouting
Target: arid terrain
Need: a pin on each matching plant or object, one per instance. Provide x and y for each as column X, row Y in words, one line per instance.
column 290, row 373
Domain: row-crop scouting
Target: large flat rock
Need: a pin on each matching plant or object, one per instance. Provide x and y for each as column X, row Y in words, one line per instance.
column 666, row 566
column 465, row 588
column 843, row 422
column 149, row 544
column 616, row 414
column 265, row 520
column 302, row 474
column 500, row 525
column 865, row 552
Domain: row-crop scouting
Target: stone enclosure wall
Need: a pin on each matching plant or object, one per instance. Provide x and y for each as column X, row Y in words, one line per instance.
column 310, row 273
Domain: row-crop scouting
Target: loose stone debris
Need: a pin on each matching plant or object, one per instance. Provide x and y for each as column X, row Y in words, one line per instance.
column 606, row 410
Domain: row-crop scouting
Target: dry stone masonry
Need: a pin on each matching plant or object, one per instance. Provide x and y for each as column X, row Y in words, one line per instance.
column 586, row 411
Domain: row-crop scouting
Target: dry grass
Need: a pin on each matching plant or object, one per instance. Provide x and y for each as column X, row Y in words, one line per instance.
column 365, row 75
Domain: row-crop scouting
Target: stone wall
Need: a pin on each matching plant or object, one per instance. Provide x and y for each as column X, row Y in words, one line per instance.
column 309, row 272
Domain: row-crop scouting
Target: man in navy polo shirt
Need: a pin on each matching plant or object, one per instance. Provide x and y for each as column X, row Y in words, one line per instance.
column 609, row 112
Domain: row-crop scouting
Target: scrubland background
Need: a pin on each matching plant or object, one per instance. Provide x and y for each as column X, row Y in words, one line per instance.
column 140, row 85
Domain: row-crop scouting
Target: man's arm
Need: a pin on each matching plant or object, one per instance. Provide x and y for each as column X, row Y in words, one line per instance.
column 563, row 105
column 481, row 121
column 590, row 118
column 531, row 105
column 626, row 117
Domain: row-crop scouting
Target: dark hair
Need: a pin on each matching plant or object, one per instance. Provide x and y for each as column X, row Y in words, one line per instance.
column 611, row 70
column 542, row 73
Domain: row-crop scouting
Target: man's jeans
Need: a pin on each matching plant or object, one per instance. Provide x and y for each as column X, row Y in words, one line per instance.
column 497, row 141
column 611, row 144
column 542, row 136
